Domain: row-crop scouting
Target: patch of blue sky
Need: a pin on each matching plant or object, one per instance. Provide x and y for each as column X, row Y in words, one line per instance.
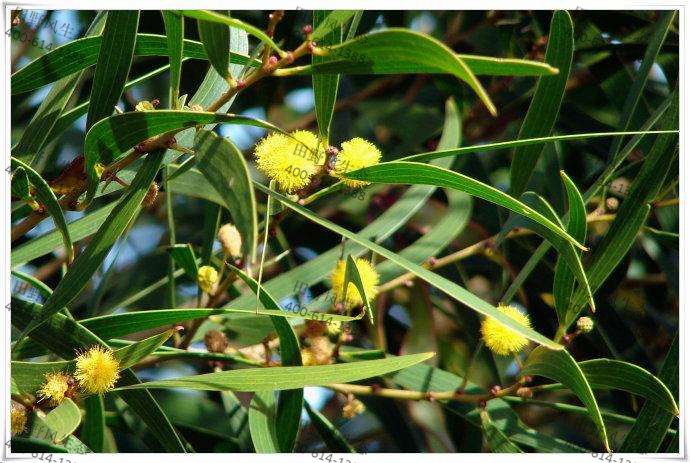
column 244, row 136
column 300, row 100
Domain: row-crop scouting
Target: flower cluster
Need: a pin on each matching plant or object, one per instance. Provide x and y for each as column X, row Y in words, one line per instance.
column 207, row 277
column 292, row 161
column 501, row 339
column 370, row 280
column 96, row 372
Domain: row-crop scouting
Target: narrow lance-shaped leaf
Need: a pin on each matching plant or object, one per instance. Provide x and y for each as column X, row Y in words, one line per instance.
column 329, row 21
column 412, row 173
column 352, row 275
column 184, row 255
column 46, row 196
column 546, row 102
column 325, row 86
column 455, row 291
column 224, row 167
column 560, row 366
column 262, row 422
column 498, row 442
column 79, row 274
column 404, row 51
column 216, row 39
column 114, row 60
column 282, row 378
column 212, row 16
column 174, row 31
column 82, row 53
column 564, row 278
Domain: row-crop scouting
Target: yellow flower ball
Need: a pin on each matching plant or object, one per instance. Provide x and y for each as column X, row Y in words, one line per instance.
column 207, row 277
column 97, row 370
column 501, row 339
column 355, row 154
column 370, row 280
column 17, row 420
column 54, row 388
column 291, row 162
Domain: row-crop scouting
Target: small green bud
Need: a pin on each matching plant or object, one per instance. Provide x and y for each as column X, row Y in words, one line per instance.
column 585, row 324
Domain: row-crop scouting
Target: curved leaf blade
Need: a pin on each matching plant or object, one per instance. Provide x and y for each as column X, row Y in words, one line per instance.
column 402, row 172
column 48, row 199
column 63, row 419
column 225, row 168
column 114, row 60
column 560, row 366
column 402, row 51
column 325, row 86
column 262, row 422
column 174, row 31
column 216, row 39
column 546, row 102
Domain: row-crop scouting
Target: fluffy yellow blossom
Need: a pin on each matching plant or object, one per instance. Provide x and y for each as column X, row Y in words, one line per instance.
column 17, row 419
column 353, row 408
column 319, row 352
column 97, row 370
column 355, row 154
column 54, row 388
column 291, row 162
column 231, row 240
column 369, row 280
column 501, row 339
column 207, row 277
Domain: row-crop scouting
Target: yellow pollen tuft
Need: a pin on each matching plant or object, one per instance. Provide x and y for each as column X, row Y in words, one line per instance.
column 17, row 420
column 370, row 280
column 355, row 154
column 501, row 339
column 207, row 277
column 54, row 388
column 291, row 162
column 97, row 370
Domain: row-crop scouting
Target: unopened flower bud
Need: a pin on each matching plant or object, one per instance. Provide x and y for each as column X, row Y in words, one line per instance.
column 230, row 240
column 353, row 408
column 151, row 195
column 524, row 392
column 207, row 278
column 612, row 203
column 215, row 341
column 585, row 324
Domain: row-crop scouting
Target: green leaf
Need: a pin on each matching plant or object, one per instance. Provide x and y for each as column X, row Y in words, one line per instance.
column 34, row 445
column 325, row 86
column 262, row 422
column 402, row 51
column 289, row 407
column 413, row 173
column 93, row 429
column 635, row 93
column 174, row 31
column 46, row 196
column 498, row 442
column 216, row 39
column 65, row 336
column 224, row 167
column 546, row 102
column 479, row 65
column 326, row 22
column 114, row 60
column 649, row 430
column 616, row 374
column 352, row 275
column 20, row 184
column 63, row 419
column 40, row 129
column 130, row 355
column 212, row 16
column 79, row 274
column 564, row 279
column 520, row 143
column 111, row 137
column 44, row 244
column 560, row 366
column 184, row 255
column 82, row 53
column 455, row 291
column 283, row 378
column 332, row 437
